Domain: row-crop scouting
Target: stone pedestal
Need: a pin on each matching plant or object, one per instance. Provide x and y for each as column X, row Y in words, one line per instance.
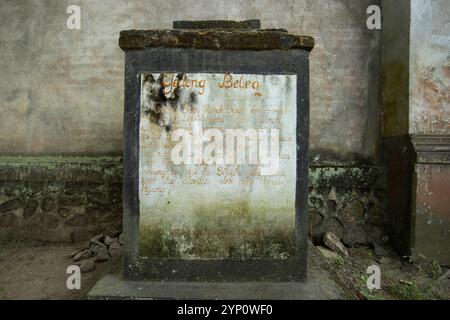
column 416, row 98
column 216, row 153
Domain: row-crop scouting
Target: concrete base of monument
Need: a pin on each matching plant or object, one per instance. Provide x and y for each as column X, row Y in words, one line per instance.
column 114, row 287
column 320, row 285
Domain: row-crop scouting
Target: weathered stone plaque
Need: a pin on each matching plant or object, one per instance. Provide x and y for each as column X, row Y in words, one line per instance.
column 217, row 165
column 215, row 154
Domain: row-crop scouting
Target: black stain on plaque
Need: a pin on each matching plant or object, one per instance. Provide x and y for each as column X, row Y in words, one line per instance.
column 192, row 99
column 159, row 98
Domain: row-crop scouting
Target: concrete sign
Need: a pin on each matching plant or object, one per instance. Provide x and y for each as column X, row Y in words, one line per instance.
column 217, row 165
column 216, row 129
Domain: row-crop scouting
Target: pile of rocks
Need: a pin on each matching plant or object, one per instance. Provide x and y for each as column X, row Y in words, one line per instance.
column 334, row 247
column 99, row 249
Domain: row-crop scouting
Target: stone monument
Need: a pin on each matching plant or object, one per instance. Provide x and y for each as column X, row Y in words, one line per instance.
column 216, row 149
column 216, row 129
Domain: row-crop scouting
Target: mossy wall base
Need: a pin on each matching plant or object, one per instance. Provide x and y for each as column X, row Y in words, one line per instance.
column 70, row 199
column 59, row 199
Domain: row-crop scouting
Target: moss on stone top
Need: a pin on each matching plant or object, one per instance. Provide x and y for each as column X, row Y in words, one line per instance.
column 214, row 39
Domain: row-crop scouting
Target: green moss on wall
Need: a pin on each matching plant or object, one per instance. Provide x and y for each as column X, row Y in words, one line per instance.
column 222, row 231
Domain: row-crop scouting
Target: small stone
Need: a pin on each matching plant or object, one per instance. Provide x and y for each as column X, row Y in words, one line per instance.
column 102, row 254
column 85, row 254
column 73, row 254
column 334, row 243
column 327, row 253
column 95, row 245
column 95, row 248
column 98, row 240
column 108, row 240
column 87, row 265
column 115, row 249
column 121, row 239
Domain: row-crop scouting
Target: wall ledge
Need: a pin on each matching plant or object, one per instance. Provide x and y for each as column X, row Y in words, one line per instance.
column 432, row 149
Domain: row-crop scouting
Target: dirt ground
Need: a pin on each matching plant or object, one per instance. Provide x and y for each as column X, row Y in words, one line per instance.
column 402, row 278
column 38, row 271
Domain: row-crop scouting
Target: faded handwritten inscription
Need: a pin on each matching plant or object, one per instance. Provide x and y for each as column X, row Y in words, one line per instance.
column 217, row 165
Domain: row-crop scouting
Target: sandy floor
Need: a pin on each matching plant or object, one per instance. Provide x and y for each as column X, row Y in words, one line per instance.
column 33, row 271
column 401, row 277
column 36, row 271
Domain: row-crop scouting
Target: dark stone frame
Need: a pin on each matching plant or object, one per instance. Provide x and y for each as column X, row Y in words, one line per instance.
column 184, row 60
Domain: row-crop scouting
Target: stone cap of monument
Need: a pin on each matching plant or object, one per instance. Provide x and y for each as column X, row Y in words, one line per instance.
column 217, row 24
column 215, row 35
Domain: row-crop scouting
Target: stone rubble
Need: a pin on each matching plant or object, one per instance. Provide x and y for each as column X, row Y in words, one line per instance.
column 99, row 249
column 87, row 265
column 327, row 253
column 84, row 254
column 108, row 240
column 115, row 249
column 102, row 255
column 334, row 243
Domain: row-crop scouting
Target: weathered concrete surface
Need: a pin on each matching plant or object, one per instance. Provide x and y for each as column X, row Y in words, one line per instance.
column 397, row 148
column 432, row 217
column 430, row 67
column 430, row 207
column 320, row 286
column 429, row 124
column 416, row 67
column 63, row 89
column 59, row 199
column 395, row 67
column 240, row 208
column 416, row 108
